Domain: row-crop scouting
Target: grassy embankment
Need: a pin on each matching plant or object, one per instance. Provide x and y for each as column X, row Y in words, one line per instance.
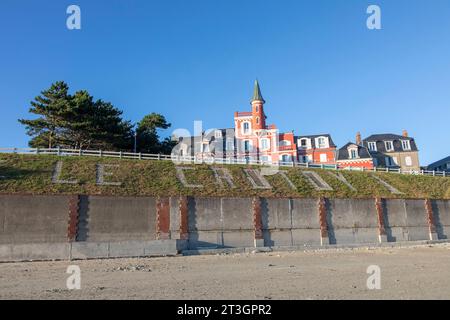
column 30, row 174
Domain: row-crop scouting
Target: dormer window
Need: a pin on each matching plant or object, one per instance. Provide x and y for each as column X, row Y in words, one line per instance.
column 406, row 145
column 218, row 134
column 304, row 143
column 389, row 146
column 353, row 153
column 321, row 142
column 372, row 146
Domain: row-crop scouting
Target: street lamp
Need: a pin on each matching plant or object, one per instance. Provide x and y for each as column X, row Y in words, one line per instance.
column 135, row 139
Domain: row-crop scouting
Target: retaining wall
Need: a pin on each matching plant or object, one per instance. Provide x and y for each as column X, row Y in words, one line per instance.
column 80, row 227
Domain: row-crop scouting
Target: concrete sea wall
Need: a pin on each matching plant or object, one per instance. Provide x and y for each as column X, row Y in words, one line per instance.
column 82, row 227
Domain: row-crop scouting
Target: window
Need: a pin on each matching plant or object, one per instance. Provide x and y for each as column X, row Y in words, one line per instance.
column 285, row 143
column 353, row 153
column 218, row 134
column 246, row 145
column 257, row 109
column 246, row 127
column 264, row 144
column 230, row 145
column 388, row 161
column 395, row 160
column 257, row 120
column 321, row 142
column 372, row 146
column 389, row 145
column 323, row 157
column 408, row 161
column 304, row 143
column 406, row 145
column 286, row 158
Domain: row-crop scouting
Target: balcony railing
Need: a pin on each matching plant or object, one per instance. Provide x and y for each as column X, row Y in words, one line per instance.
column 244, row 114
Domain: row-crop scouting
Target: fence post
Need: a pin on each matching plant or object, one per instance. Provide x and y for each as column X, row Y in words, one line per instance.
column 120, row 154
column 140, row 156
column 80, row 152
column 443, row 174
column 37, row 150
column 100, row 152
column 59, row 151
column 159, row 156
column 434, row 173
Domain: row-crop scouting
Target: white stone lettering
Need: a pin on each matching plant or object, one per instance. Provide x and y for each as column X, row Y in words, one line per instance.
column 256, row 179
column 57, row 174
column 101, row 173
column 182, row 178
column 221, row 175
column 316, row 181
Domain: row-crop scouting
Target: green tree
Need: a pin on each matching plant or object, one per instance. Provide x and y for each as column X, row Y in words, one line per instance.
column 50, row 106
column 76, row 121
column 97, row 125
column 148, row 139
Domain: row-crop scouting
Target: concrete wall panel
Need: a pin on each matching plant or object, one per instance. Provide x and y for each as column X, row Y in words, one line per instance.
column 33, row 219
column 441, row 211
column 237, row 214
column 417, row 222
column 305, row 214
column 117, row 219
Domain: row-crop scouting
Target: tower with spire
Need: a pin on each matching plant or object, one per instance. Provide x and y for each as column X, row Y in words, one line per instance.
column 258, row 116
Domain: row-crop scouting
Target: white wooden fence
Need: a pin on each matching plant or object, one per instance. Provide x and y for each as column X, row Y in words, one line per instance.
column 208, row 160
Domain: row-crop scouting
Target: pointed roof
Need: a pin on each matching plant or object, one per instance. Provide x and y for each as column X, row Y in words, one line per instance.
column 257, row 96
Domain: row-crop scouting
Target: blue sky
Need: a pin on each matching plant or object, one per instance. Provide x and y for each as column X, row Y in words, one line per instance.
column 321, row 70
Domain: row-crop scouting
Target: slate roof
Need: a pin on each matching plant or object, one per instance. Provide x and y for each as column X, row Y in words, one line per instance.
column 257, row 96
column 379, row 139
column 343, row 154
column 439, row 163
column 313, row 139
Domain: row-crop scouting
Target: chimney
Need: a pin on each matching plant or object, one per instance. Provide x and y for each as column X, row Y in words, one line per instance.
column 405, row 133
column 358, row 138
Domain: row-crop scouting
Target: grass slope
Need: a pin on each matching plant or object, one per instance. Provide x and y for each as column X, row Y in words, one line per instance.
column 30, row 174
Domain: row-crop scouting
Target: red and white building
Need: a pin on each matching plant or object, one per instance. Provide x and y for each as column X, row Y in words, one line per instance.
column 258, row 141
column 317, row 149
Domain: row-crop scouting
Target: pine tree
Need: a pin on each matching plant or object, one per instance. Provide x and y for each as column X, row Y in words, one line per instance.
column 50, row 105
